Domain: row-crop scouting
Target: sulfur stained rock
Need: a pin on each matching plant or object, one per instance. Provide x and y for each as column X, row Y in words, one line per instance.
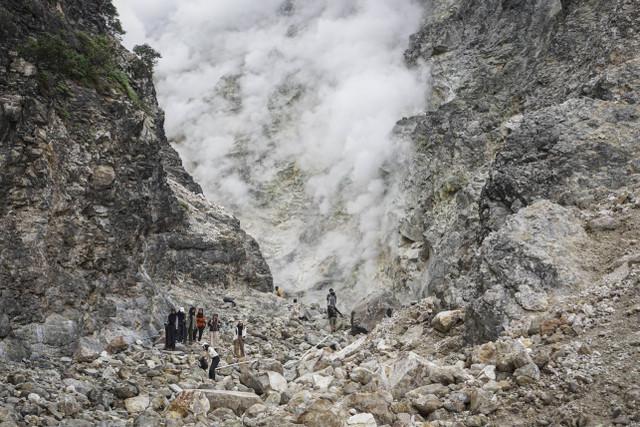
column 483, row 402
column 189, row 403
column 445, row 320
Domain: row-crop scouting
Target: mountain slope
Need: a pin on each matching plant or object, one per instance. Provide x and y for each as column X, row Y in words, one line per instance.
column 530, row 134
column 98, row 216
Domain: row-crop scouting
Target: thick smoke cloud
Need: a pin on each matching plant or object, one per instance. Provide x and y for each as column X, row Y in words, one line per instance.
column 283, row 111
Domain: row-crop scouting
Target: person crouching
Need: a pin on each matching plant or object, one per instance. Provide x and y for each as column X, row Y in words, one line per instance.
column 215, row 359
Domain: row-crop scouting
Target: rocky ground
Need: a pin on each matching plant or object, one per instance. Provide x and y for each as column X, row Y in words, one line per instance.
column 575, row 364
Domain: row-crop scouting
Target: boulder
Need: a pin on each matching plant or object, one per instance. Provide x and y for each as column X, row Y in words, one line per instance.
column 413, row 371
column 299, row 402
column 5, row 325
column 87, row 350
column 377, row 403
column 57, row 331
column 254, row 381
column 369, row 311
column 117, row 345
column 531, row 253
column 483, row 402
column 237, row 401
column 349, row 350
column 255, row 410
column 192, row 402
column 103, row 176
column 277, row 382
column 263, row 381
column 323, row 413
column 507, row 355
column 436, row 388
column 424, row 403
column 446, row 320
column 81, row 386
column 68, row 405
column 271, row 365
column 527, row 374
column 137, row 404
column 361, row 375
column 361, row 420
column 126, row 391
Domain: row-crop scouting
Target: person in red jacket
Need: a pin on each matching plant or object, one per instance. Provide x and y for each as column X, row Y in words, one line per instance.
column 201, row 322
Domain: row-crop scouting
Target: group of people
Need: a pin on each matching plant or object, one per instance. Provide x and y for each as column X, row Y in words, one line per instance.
column 190, row 326
column 182, row 328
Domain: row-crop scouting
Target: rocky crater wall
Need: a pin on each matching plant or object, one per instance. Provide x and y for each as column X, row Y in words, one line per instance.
column 98, row 217
column 530, row 137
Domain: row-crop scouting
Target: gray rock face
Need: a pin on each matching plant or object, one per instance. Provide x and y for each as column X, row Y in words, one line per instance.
column 535, row 252
column 97, row 213
column 525, row 107
column 371, row 309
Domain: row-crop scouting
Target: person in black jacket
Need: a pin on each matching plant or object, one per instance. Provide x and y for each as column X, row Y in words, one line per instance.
column 191, row 325
column 181, row 326
column 170, row 330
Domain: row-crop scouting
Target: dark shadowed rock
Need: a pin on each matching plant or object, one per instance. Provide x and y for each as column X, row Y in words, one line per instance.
column 117, row 345
column 370, row 310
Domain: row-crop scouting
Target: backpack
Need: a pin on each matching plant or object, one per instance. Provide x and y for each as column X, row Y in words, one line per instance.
column 203, row 363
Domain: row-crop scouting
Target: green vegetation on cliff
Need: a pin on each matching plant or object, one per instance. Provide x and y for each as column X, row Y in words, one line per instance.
column 88, row 59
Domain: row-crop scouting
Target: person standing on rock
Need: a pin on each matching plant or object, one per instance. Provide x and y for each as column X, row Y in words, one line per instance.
column 170, row 331
column 332, row 314
column 332, row 300
column 239, row 334
column 192, row 328
column 201, row 322
column 214, row 326
column 215, row 359
column 278, row 292
column 181, row 326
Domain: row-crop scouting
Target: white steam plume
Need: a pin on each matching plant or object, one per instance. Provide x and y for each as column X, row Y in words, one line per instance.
column 282, row 111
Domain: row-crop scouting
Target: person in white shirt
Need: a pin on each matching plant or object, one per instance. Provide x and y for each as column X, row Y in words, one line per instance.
column 239, row 334
column 215, row 359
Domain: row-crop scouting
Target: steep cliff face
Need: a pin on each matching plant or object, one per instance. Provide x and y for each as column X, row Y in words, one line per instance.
column 98, row 216
column 526, row 180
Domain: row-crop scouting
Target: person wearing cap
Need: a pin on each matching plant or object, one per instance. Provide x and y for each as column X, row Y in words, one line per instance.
column 239, row 334
column 181, row 326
